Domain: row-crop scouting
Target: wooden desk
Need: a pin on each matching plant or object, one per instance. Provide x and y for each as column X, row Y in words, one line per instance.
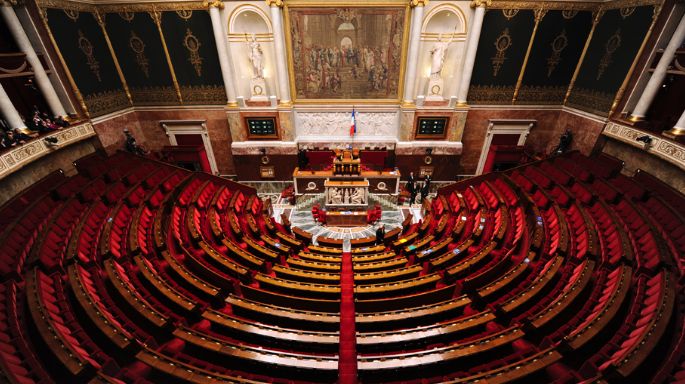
column 346, row 219
column 384, row 182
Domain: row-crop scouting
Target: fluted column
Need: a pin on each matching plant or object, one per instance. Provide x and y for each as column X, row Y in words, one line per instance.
column 42, row 80
column 222, row 50
column 413, row 53
column 9, row 113
column 659, row 74
column 471, row 49
column 279, row 45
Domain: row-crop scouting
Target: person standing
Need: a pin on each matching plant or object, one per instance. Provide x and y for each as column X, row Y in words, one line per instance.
column 380, row 234
column 414, row 192
column 410, row 185
column 424, row 190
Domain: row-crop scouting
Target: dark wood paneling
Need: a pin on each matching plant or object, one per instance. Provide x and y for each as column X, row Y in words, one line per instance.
column 445, row 166
column 247, row 167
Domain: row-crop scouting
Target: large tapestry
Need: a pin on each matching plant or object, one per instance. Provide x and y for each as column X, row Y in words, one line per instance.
column 346, row 53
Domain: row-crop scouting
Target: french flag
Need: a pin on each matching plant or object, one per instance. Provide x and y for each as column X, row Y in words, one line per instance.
column 353, row 124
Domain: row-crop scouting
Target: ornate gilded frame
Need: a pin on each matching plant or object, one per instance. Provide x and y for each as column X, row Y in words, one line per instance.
column 347, row 4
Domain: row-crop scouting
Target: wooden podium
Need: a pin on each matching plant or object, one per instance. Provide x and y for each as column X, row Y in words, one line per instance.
column 346, row 163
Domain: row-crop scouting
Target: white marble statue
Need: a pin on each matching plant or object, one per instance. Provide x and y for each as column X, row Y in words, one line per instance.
column 438, row 55
column 334, row 196
column 256, row 57
column 357, row 196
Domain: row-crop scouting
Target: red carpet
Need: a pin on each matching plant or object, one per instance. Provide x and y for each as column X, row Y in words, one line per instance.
column 347, row 364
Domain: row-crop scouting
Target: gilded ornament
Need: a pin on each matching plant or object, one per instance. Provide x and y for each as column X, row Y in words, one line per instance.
column 185, row 14
column 569, row 14
column 481, row 3
column 73, row 14
column 610, row 48
column 126, row 15
column 102, row 103
column 510, row 13
column 558, row 45
column 138, row 47
column 192, row 44
column 626, row 12
column 418, row 3
column 274, row 3
column 87, row 48
column 213, row 4
column 502, row 44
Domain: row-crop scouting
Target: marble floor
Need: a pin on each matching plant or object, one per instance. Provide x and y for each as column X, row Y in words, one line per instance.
column 300, row 215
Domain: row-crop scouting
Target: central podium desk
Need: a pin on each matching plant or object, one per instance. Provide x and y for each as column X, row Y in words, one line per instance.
column 346, row 218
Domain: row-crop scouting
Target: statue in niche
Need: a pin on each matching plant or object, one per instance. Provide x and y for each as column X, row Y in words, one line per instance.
column 346, row 196
column 357, row 196
column 438, row 55
column 256, row 57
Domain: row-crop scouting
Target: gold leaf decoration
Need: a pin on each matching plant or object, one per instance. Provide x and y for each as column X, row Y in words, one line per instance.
column 502, row 44
column 73, row 14
column 138, row 47
column 510, row 13
column 185, row 14
column 87, row 48
column 192, row 44
column 126, row 15
column 610, row 48
column 568, row 14
column 626, row 12
column 558, row 45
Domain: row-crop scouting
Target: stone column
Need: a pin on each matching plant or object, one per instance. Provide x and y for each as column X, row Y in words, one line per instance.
column 279, row 46
column 471, row 49
column 222, row 51
column 659, row 74
column 24, row 44
column 9, row 113
column 413, row 53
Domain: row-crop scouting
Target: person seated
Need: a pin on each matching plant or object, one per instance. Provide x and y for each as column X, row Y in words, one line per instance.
column 132, row 146
column 10, row 140
column 59, row 120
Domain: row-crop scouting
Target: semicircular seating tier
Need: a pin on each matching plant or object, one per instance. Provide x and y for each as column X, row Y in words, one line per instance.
column 134, row 271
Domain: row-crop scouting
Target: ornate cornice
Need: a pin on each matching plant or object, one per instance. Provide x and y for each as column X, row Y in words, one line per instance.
column 214, row 4
column 481, row 3
column 274, row 3
column 418, row 3
column 24, row 155
column 664, row 149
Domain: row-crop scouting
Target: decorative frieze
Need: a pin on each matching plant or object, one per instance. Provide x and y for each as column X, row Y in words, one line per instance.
column 322, row 126
column 667, row 150
column 21, row 156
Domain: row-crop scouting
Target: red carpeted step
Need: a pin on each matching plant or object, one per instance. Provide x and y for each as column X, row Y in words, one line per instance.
column 347, row 364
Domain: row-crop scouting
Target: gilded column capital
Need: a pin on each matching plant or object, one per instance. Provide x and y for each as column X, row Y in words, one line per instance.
column 213, row 4
column 481, row 3
column 418, row 3
column 274, row 3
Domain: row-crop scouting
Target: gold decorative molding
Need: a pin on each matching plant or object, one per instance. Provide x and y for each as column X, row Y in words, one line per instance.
column 156, row 16
column 102, row 103
column 24, row 155
column 481, row 3
column 274, row 3
column 667, row 150
column 418, row 3
column 490, row 94
column 590, row 100
column 120, row 73
column 161, row 6
column 596, row 17
column 87, row 48
column 539, row 15
column 213, row 4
